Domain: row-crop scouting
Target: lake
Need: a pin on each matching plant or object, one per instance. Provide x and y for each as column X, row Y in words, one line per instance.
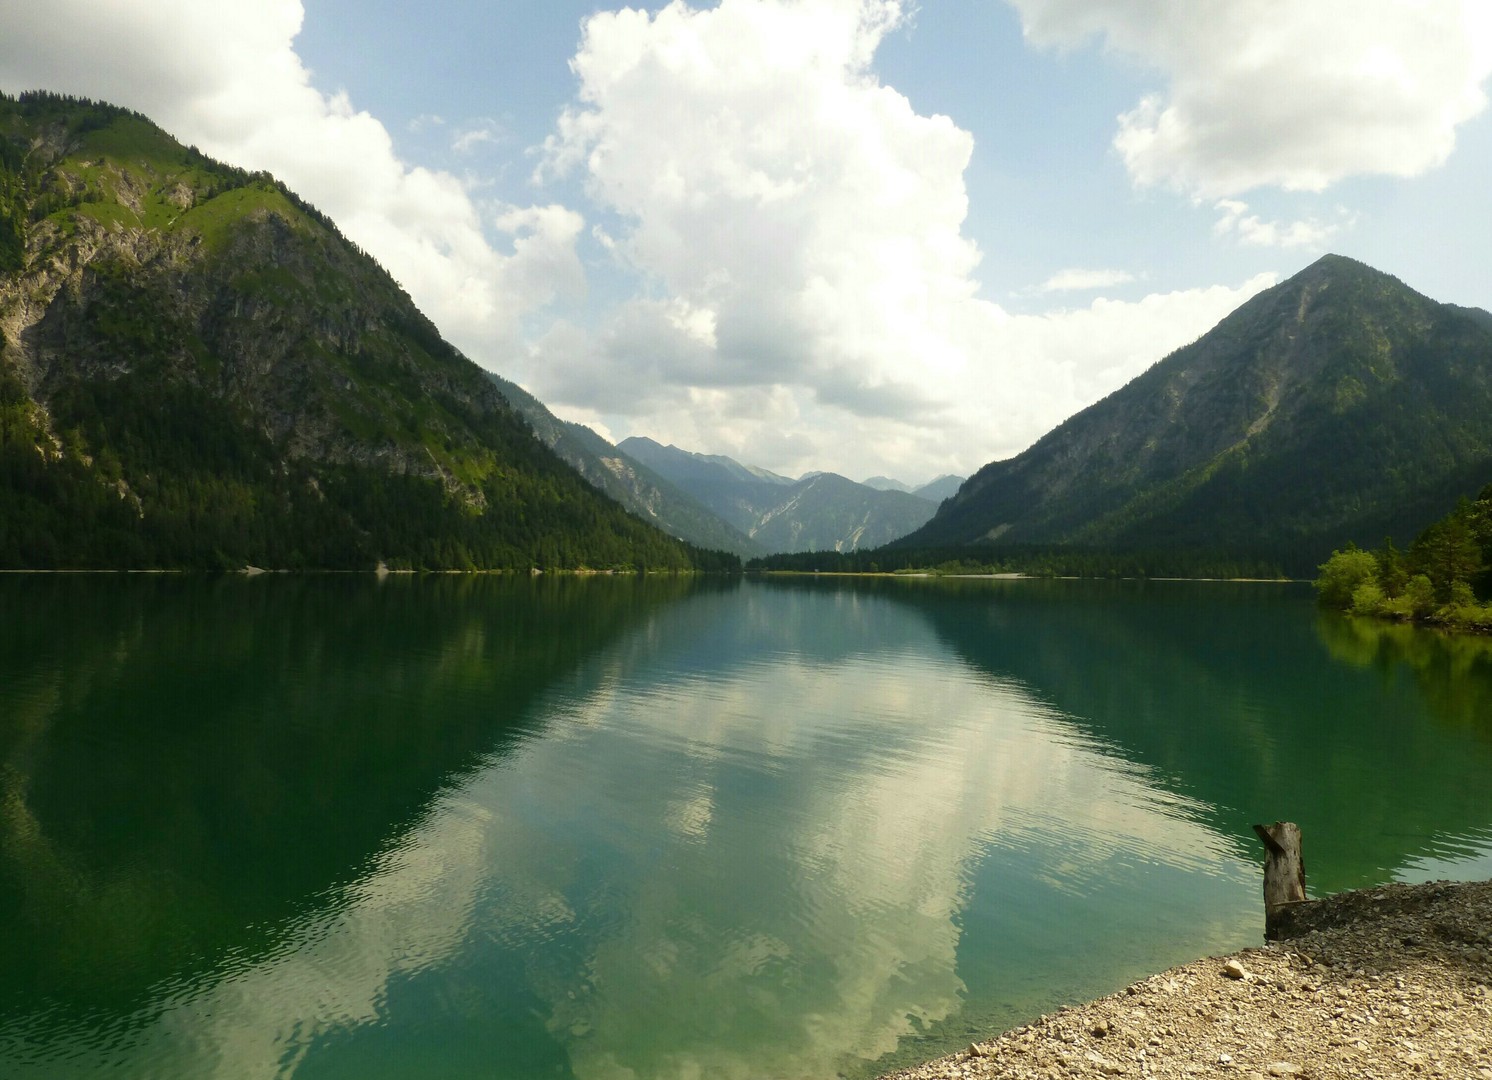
column 624, row 829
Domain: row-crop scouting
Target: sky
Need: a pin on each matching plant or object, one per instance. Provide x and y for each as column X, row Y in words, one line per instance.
column 877, row 237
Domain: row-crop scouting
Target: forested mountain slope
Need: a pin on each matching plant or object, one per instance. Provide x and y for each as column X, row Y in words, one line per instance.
column 1338, row 405
column 197, row 369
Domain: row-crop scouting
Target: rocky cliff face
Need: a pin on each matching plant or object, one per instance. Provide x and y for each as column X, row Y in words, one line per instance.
column 1338, row 405
column 201, row 338
column 276, row 319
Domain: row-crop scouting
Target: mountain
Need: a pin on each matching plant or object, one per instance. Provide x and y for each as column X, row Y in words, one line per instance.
column 705, row 471
column 934, row 491
column 817, row 512
column 1339, row 405
column 937, row 490
column 827, row 512
column 198, row 370
column 638, row 488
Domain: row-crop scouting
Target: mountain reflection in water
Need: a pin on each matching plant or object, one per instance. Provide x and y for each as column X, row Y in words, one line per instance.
column 618, row 828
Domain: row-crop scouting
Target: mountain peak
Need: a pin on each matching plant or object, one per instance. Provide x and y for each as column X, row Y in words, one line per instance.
column 1339, row 404
column 1341, row 268
column 208, row 374
column 1331, row 261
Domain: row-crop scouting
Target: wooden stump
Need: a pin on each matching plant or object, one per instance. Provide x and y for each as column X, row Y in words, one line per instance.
column 1284, row 874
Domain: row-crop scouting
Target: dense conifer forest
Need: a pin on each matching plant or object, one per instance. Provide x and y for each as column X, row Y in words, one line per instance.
column 198, row 371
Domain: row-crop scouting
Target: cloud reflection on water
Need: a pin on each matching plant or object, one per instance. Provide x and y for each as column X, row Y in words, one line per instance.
column 770, row 886
column 760, row 868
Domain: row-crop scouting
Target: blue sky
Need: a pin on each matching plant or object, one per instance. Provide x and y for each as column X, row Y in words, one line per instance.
column 859, row 235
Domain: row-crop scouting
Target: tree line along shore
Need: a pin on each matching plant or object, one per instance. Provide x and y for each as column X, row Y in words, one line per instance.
column 1443, row 579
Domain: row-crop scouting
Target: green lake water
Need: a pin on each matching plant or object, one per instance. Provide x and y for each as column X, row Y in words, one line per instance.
column 620, row 829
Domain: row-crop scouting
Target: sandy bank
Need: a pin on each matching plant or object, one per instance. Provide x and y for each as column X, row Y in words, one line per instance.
column 1387, row 982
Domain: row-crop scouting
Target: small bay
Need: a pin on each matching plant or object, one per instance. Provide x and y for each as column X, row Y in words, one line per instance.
column 612, row 828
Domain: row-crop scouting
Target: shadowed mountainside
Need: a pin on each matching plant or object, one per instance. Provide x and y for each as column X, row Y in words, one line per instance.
column 198, row 370
column 1339, row 405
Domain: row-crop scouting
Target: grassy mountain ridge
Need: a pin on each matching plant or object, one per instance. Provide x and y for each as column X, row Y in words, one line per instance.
column 197, row 369
column 1339, row 404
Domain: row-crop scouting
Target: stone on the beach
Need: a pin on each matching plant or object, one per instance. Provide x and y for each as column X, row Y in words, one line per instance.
column 1374, row 1011
column 1104, row 1065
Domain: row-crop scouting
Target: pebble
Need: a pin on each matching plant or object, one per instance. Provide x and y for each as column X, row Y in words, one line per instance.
column 1344, row 998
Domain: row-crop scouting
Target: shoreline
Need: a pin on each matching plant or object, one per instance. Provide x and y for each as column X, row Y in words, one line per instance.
column 1014, row 575
column 1393, row 981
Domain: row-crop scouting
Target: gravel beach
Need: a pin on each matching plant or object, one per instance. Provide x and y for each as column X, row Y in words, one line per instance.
column 1386, row 982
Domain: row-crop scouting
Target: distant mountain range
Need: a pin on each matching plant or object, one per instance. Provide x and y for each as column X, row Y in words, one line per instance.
column 198, row 370
column 1337, row 406
column 716, row 502
column 638, row 488
column 817, row 512
column 934, row 490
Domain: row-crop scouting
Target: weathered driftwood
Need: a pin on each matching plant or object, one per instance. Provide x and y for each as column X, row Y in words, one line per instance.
column 1284, row 874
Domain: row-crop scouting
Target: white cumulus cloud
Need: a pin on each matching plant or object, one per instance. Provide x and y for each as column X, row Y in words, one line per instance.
column 1284, row 93
column 1251, row 230
column 468, row 140
column 773, row 188
column 812, row 297
column 1076, row 279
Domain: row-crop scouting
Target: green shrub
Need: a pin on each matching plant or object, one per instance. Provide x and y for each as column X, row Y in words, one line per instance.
column 1419, row 596
column 1342, row 574
column 1368, row 599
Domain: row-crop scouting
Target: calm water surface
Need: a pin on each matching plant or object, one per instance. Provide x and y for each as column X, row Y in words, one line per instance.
column 616, row 829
